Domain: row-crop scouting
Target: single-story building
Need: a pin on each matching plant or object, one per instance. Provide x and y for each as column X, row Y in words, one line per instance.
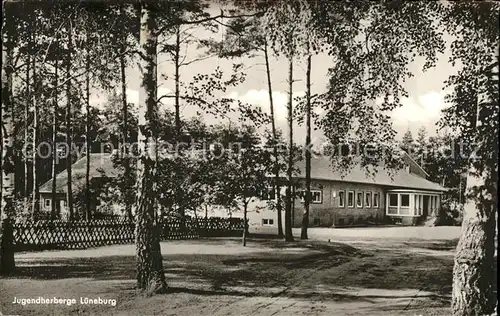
column 339, row 198
column 101, row 167
column 403, row 196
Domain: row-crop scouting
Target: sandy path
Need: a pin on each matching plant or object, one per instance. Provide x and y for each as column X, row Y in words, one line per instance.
column 195, row 294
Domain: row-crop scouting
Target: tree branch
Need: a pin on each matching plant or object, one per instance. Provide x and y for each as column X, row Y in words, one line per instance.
column 257, row 48
column 196, row 60
column 52, row 40
column 489, row 69
column 208, row 19
column 185, row 97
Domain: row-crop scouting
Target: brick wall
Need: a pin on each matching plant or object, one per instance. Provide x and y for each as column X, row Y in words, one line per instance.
column 329, row 213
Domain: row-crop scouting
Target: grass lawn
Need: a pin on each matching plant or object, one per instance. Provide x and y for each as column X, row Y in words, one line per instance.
column 220, row 277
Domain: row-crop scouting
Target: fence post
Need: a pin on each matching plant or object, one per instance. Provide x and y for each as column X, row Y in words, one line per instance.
column 7, row 263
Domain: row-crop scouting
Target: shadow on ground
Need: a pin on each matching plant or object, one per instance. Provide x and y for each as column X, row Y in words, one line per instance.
column 387, row 278
column 309, row 268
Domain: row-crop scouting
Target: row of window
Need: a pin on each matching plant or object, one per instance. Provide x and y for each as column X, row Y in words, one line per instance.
column 316, row 195
column 49, row 201
column 399, row 203
column 361, row 199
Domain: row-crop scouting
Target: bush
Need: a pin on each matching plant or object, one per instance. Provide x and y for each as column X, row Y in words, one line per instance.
column 23, row 209
column 451, row 214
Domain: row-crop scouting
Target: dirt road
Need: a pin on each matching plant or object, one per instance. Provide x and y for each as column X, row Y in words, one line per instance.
column 359, row 274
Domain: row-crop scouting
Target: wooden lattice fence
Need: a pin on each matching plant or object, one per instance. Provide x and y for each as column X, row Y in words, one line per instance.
column 46, row 234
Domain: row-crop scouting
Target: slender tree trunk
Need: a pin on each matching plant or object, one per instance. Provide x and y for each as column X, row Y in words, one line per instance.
column 150, row 275
column 26, row 132
column 69, row 160
column 55, row 158
column 178, row 135
column 307, row 199
column 195, row 212
column 1, row 148
column 245, row 217
column 87, row 135
column 35, row 197
column 275, row 145
column 7, row 263
column 177, row 82
column 294, row 194
column 126, row 161
column 289, row 197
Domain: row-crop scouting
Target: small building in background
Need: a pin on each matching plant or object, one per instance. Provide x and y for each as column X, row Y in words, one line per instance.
column 101, row 169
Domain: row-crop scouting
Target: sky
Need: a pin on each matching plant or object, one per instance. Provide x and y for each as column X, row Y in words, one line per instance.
column 422, row 108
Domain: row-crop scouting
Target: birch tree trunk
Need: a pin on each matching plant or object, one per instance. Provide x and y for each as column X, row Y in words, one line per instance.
column 87, row 133
column 177, row 83
column 289, row 197
column 473, row 271
column 55, row 158
column 178, row 136
column 7, row 263
column 26, row 132
column 35, row 197
column 125, row 150
column 307, row 199
column 473, row 274
column 150, row 275
column 69, row 160
column 275, row 145
column 126, row 161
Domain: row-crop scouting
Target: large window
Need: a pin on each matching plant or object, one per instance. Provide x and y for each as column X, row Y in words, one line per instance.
column 268, row 194
column 341, row 198
column 376, row 200
column 316, row 196
column 405, row 200
column 404, row 209
column 350, row 199
column 368, row 199
column 393, row 200
column 359, row 199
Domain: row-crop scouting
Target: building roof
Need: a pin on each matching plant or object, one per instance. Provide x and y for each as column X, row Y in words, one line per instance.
column 101, row 165
column 321, row 169
column 414, row 163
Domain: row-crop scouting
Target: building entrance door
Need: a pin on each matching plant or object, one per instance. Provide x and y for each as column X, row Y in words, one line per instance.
column 425, row 207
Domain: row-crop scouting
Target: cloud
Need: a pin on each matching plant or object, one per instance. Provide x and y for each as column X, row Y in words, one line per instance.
column 261, row 98
column 133, row 95
column 424, row 110
column 414, row 112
